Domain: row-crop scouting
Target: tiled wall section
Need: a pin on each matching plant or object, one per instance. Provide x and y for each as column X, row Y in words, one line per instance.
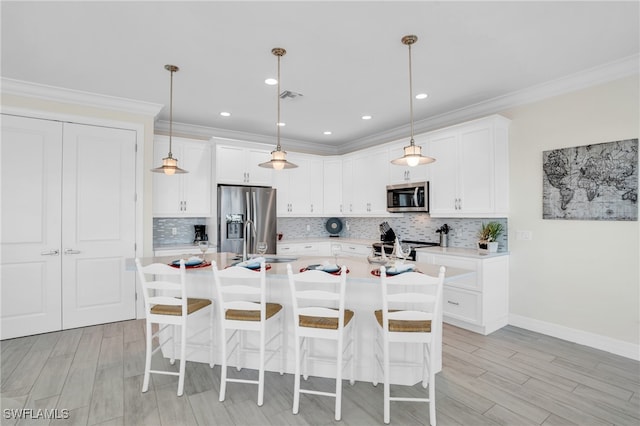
column 414, row 226
column 163, row 230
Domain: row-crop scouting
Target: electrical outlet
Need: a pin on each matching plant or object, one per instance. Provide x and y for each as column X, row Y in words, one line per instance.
column 524, row 235
column 308, row 228
column 174, row 231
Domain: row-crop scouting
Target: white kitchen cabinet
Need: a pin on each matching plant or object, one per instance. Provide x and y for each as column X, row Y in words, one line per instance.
column 332, row 187
column 238, row 165
column 478, row 302
column 303, row 249
column 300, row 190
column 365, row 177
column 66, row 231
column 406, row 174
column 188, row 194
column 352, row 249
column 470, row 175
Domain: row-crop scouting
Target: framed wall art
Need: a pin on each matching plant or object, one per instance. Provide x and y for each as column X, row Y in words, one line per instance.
column 591, row 182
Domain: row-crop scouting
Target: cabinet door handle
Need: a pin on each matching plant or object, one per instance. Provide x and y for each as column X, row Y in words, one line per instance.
column 53, row 252
column 71, row 251
column 453, row 303
column 340, row 208
column 185, row 206
column 248, row 177
column 308, row 247
column 311, row 208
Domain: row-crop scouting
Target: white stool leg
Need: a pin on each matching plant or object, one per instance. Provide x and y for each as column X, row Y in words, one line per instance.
column 338, row 407
column 296, row 376
column 387, row 389
column 147, row 362
column 223, row 365
column 183, row 360
column 211, row 341
column 261, row 366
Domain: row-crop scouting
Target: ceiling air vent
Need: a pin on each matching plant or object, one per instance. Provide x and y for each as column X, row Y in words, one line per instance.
column 289, row 94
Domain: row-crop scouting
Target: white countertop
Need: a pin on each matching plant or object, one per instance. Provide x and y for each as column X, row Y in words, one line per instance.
column 337, row 240
column 462, row 252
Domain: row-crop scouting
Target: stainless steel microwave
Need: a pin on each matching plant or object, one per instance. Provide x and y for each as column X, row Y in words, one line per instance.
column 408, row 197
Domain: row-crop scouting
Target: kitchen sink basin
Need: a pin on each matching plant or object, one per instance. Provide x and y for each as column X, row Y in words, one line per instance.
column 280, row 259
column 272, row 259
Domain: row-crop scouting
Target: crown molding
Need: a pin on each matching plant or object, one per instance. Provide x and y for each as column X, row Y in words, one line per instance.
column 205, row 132
column 591, row 77
column 77, row 97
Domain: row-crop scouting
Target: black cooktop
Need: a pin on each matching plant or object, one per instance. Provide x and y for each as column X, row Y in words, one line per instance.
column 412, row 244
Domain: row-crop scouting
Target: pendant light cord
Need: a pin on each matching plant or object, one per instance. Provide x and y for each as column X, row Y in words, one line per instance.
column 411, row 95
column 171, row 111
column 278, row 95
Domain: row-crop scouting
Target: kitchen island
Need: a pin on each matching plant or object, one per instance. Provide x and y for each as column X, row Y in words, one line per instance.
column 363, row 296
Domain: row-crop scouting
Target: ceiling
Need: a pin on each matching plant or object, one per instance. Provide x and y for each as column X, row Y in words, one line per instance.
column 345, row 58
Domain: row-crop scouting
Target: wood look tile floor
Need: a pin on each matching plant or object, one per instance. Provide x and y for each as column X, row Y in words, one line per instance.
column 511, row 377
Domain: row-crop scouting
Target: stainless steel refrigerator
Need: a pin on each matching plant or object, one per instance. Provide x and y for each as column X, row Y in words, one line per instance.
column 239, row 204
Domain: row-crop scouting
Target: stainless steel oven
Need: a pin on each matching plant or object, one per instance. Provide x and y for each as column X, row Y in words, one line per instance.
column 408, row 197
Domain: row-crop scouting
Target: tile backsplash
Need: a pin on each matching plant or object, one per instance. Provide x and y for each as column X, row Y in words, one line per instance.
column 185, row 233
column 414, row 226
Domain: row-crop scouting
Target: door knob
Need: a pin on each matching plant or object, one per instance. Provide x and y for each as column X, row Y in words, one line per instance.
column 53, row 252
column 71, row 251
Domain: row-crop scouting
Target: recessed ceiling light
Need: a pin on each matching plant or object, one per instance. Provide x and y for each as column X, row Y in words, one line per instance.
column 366, row 117
column 281, row 124
column 225, row 114
column 327, row 132
column 271, row 81
column 421, row 96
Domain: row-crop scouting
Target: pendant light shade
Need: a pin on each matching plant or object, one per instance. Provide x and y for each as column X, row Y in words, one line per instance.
column 412, row 152
column 278, row 156
column 170, row 164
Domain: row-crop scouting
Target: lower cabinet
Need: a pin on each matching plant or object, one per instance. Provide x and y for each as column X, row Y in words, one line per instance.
column 324, row 248
column 478, row 302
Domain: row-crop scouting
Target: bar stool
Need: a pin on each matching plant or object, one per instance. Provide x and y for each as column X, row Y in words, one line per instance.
column 411, row 305
column 311, row 293
column 172, row 308
column 242, row 306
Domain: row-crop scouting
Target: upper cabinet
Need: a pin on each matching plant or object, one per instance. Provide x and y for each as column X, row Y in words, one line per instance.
column 183, row 195
column 364, row 176
column 406, row 174
column 470, row 176
column 300, row 190
column 332, row 186
column 238, row 165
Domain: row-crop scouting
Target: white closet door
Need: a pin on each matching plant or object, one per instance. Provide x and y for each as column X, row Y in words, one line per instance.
column 31, row 152
column 98, row 225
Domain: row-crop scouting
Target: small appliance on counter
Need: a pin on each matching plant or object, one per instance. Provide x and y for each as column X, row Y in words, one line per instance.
column 334, row 227
column 388, row 240
column 200, row 233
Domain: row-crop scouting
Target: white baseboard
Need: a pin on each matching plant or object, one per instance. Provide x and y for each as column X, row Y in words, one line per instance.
column 597, row 341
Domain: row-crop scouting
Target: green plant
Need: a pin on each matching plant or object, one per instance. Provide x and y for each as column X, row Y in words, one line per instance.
column 490, row 232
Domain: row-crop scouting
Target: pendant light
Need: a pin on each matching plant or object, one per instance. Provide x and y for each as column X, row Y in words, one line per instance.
column 278, row 156
column 412, row 152
column 170, row 164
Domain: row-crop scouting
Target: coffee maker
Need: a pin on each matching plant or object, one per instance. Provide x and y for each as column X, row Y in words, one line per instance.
column 200, row 233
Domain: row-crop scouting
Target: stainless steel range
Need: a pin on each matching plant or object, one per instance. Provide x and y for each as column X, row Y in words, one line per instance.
column 388, row 238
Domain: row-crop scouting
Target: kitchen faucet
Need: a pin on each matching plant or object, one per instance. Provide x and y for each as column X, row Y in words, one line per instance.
column 247, row 224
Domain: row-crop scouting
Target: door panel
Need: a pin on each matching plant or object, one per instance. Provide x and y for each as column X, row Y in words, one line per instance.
column 98, row 225
column 31, row 196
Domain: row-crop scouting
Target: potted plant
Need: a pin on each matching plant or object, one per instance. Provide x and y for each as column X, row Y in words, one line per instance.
column 488, row 236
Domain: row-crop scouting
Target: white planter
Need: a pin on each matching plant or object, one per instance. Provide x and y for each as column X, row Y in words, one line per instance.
column 491, row 247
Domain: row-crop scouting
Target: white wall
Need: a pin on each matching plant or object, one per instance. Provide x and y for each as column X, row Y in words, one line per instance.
column 578, row 280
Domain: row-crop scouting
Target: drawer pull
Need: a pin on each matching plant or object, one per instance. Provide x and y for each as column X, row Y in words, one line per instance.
column 453, row 303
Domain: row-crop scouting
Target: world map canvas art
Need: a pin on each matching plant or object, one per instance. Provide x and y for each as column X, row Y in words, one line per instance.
column 591, row 182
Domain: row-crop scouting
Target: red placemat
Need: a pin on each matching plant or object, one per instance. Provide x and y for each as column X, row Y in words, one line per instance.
column 338, row 272
column 199, row 265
